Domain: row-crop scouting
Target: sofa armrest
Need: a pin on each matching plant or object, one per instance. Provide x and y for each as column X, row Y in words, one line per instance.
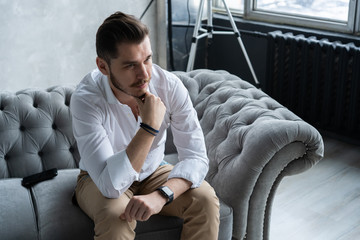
column 247, row 168
column 252, row 143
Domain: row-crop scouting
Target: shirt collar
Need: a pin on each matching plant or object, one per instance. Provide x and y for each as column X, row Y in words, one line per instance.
column 109, row 95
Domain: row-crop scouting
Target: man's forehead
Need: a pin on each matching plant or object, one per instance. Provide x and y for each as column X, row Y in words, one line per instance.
column 132, row 52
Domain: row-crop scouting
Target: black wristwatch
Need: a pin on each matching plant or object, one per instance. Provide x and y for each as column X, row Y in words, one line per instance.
column 166, row 192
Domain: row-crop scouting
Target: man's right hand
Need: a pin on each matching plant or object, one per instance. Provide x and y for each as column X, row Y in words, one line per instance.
column 151, row 110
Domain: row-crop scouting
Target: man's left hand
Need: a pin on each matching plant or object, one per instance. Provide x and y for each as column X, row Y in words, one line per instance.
column 142, row 207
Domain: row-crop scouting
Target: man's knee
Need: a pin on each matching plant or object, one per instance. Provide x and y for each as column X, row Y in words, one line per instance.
column 206, row 200
column 201, row 216
column 108, row 225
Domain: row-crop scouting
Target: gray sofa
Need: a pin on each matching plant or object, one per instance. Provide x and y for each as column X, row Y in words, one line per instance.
column 253, row 143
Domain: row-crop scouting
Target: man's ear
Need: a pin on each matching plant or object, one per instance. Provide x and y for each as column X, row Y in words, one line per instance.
column 103, row 66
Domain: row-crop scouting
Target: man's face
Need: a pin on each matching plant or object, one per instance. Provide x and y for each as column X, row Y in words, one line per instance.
column 130, row 72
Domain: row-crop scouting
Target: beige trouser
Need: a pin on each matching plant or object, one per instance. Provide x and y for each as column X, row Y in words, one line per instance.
column 198, row 207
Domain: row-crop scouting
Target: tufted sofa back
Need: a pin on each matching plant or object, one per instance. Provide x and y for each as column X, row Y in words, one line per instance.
column 232, row 113
column 36, row 132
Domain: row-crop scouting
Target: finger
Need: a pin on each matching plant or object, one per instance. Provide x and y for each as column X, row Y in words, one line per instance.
column 127, row 212
column 142, row 98
column 146, row 216
column 140, row 101
column 134, row 210
column 122, row 216
column 140, row 214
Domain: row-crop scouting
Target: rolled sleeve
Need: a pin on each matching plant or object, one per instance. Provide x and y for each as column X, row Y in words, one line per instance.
column 121, row 172
column 193, row 171
column 193, row 163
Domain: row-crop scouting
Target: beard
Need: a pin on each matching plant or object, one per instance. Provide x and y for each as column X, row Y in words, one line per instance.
column 121, row 88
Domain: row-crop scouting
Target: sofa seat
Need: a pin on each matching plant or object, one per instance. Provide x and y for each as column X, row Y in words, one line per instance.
column 17, row 213
column 50, row 202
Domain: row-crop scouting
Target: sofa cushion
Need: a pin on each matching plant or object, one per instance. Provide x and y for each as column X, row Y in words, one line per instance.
column 58, row 217
column 17, row 217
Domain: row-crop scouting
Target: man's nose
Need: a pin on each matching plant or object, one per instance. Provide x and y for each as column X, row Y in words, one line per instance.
column 142, row 72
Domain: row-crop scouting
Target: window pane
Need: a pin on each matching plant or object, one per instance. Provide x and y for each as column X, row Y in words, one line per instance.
column 236, row 5
column 334, row 9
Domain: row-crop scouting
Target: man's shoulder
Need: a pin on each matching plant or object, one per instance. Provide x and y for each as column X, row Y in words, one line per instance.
column 169, row 88
column 164, row 79
column 88, row 89
column 88, row 85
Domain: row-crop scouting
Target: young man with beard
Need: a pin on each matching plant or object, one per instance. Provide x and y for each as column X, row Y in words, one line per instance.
column 120, row 114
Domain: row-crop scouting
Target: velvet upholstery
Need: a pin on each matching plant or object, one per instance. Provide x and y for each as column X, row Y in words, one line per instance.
column 252, row 143
column 17, row 212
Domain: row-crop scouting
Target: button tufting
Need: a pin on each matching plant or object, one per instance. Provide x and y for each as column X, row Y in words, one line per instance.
column 22, row 128
column 54, row 126
column 35, row 105
column 40, row 154
column 6, row 157
column 71, row 149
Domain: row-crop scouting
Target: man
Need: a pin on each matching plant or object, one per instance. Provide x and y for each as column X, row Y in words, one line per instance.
column 120, row 115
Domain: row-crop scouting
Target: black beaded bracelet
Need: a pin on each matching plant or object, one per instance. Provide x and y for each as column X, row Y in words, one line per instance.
column 154, row 134
column 144, row 125
column 149, row 129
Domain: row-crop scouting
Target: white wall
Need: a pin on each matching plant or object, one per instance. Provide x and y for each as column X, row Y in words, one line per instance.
column 52, row 42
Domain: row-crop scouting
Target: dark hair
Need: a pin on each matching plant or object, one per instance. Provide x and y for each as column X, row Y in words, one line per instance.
column 116, row 29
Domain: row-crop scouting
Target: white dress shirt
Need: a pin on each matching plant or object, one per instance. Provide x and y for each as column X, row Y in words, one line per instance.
column 103, row 127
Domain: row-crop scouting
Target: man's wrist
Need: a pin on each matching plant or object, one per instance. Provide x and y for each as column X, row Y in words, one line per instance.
column 167, row 193
column 161, row 197
column 149, row 129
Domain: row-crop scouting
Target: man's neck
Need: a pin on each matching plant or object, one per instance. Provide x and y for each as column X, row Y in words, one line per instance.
column 121, row 96
column 124, row 98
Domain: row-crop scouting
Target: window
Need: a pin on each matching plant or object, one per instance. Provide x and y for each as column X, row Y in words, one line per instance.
column 335, row 15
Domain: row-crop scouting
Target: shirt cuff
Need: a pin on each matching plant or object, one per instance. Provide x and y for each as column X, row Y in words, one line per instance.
column 191, row 170
column 121, row 172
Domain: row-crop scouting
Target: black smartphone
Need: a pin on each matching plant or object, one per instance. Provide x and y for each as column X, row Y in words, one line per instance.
column 39, row 177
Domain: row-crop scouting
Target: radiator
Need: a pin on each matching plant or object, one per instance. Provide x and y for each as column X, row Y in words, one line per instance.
column 317, row 79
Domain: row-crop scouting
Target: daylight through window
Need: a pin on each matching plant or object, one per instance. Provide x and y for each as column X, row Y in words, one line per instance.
column 338, row 15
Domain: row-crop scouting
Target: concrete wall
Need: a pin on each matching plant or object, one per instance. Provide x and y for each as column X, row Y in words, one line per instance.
column 47, row 42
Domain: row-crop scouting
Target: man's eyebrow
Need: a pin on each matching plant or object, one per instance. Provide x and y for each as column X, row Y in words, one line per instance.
column 129, row 62
column 135, row 62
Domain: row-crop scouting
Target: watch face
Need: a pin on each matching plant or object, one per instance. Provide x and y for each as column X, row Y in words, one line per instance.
column 167, row 191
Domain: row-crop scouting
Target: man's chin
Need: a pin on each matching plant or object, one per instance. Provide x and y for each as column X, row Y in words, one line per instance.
column 140, row 95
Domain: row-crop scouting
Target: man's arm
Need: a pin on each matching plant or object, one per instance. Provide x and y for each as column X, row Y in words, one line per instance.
column 193, row 167
column 141, row 207
column 152, row 112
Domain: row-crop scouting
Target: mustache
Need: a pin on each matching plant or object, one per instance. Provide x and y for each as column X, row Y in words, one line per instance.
column 140, row 83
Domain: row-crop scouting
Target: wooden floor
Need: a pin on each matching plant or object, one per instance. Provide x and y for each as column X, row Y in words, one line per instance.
column 322, row 203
